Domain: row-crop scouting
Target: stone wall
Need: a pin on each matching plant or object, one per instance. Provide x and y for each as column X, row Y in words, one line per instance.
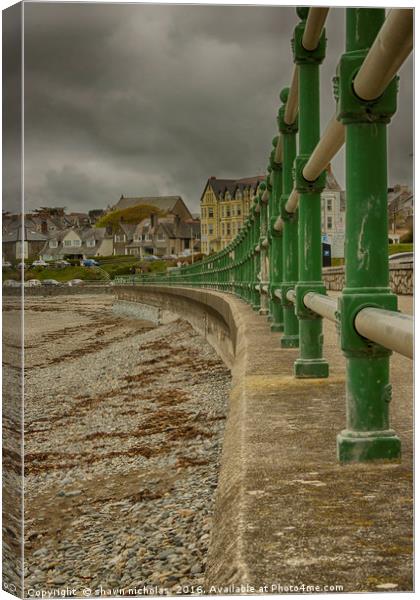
column 400, row 278
column 145, row 312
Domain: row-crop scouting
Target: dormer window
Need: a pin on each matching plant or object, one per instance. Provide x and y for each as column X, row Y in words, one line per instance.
column 53, row 244
column 90, row 243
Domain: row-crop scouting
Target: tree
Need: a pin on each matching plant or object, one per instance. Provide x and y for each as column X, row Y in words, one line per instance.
column 132, row 214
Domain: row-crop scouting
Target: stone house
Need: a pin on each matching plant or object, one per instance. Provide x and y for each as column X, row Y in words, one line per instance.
column 22, row 243
column 170, row 232
column 164, row 237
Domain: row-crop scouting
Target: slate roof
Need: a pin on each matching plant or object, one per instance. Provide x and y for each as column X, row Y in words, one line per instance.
column 185, row 230
column 220, row 186
column 24, row 234
column 128, row 228
column 96, row 233
column 165, row 203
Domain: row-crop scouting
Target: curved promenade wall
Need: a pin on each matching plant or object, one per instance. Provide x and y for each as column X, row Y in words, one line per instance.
column 284, row 505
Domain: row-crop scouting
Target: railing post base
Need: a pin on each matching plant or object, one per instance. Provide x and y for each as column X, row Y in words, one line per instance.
column 311, row 368
column 353, row 446
column 290, row 341
column 277, row 328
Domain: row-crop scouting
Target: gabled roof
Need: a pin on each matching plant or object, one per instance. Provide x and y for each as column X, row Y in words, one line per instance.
column 220, row 186
column 128, row 228
column 95, row 233
column 168, row 228
column 331, row 182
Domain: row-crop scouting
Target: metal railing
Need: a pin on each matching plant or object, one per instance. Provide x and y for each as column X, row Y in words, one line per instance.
column 274, row 263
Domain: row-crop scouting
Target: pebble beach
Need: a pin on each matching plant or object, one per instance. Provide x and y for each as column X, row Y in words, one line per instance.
column 124, row 424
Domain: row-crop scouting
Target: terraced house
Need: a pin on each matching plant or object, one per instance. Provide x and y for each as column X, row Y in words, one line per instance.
column 224, row 207
column 78, row 243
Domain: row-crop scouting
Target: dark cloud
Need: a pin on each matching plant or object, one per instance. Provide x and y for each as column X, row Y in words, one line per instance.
column 144, row 99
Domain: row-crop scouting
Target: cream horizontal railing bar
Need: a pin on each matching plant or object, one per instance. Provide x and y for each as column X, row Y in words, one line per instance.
column 390, row 329
column 390, row 49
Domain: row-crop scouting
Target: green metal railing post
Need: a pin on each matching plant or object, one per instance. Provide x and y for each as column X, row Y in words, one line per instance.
column 255, row 294
column 249, row 258
column 290, row 338
column 276, row 245
column 263, row 254
column 368, row 392
column 310, row 362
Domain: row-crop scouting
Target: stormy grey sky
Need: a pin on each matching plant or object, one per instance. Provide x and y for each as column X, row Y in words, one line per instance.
column 149, row 99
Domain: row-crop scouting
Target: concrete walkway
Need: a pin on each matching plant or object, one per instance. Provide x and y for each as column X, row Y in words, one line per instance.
column 287, row 513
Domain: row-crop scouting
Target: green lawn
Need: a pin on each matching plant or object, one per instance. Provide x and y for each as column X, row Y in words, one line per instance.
column 112, row 265
column 65, row 274
column 394, row 248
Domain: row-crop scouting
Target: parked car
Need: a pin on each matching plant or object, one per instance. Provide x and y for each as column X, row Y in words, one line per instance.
column 89, row 262
column 50, row 282
column 33, row 283
column 402, row 257
column 151, row 257
column 11, row 283
column 61, row 264
column 22, row 265
column 75, row 282
column 6, row 264
column 39, row 263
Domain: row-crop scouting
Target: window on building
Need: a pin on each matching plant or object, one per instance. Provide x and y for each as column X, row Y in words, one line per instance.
column 228, row 229
column 329, row 204
column 228, row 212
column 77, row 243
column 120, row 237
column 210, row 212
column 67, row 243
column 161, row 236
column 53, row 244
column 90, row 243
column 148, row 237
column 238, row 211
column 329, row 222
column 210, row 229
